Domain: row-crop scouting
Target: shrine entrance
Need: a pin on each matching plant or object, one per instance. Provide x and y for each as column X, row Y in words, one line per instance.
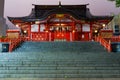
column 60, row 33
column 59, row 36
column 59, row 27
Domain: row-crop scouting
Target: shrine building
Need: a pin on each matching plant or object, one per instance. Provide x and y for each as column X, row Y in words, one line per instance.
column 60, row 23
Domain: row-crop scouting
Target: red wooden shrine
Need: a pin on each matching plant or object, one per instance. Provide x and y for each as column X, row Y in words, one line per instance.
column 60, row 23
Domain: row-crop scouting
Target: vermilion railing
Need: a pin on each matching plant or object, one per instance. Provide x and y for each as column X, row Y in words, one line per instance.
column 41, row 36
column 4, row 39
column 13, row 43
column 115, row 39
column 104, row 42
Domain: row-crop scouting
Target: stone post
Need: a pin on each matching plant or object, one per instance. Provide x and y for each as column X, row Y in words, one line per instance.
column 2, row 20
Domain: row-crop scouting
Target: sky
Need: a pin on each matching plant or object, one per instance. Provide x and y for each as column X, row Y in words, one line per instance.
column 18, row 8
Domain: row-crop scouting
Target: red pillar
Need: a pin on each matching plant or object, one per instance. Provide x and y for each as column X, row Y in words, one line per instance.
column 47, row 32
column 91, row 33
column 73, row 35
column 29, row 32
column 73, row 31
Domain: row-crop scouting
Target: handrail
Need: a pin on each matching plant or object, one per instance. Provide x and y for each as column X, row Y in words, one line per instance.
column 4, row 39
column 104, row 42
column 13, row 43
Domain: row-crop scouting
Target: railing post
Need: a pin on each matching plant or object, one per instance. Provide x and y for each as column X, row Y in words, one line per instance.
column 100, row 40
column 96, row 38
column 109, row 47
column 10, row 46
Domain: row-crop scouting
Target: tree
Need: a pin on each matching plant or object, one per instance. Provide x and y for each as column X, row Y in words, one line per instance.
column 117, row 2
column 111, row 0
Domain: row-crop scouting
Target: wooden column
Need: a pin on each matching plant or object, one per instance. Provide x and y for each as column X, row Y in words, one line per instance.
column 73, row 31
column 82, row 33
column 47, row 32
column 91, row 33
column 29, row 31
column 73, row 25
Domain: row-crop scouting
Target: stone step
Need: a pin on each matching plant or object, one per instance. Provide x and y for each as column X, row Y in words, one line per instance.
column 39, row 62
column 60, row 72
column 60, row 68
column 63, row 65
column 80, row 61
column 58, row 62
column 54, row 58
column 76, row 54
column 61, row 46
column 104, row 60
column 114, row 59
column 65, row 76
column 80, row 65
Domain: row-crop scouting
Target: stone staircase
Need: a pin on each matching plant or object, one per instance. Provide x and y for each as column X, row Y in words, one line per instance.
column 60, row 60
column 60, row 47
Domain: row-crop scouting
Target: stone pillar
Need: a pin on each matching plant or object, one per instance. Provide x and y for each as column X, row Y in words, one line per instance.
column 2, row 8
column 2, row 20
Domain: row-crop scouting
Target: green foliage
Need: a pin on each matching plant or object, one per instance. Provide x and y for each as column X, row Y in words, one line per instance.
column 117, row 3
column 111, row 0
